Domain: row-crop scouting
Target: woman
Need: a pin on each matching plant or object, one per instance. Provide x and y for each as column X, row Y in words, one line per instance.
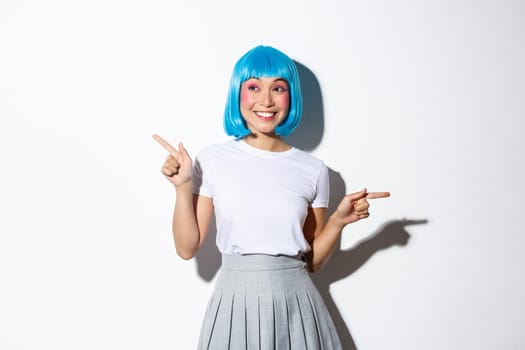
column 270, row 202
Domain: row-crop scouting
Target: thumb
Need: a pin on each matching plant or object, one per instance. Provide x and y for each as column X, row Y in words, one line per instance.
column 183, row 151
column 357, row 195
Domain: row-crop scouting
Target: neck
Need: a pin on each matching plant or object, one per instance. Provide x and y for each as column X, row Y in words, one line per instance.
column 272, row 143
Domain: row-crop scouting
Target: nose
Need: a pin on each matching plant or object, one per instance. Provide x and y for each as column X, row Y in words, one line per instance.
column 266, row 98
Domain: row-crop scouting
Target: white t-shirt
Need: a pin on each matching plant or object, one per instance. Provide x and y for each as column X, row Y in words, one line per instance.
column 261, row 198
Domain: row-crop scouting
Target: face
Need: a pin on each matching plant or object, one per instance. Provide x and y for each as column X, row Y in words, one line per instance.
column 264, row 103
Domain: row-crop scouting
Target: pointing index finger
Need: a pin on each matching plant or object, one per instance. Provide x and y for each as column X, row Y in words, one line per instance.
column 172, row 150
column 375, row 195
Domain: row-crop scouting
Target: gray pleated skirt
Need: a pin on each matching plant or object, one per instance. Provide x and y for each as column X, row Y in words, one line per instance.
column 266, row 302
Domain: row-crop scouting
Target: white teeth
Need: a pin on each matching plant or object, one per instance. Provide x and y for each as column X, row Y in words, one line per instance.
column 265, row 114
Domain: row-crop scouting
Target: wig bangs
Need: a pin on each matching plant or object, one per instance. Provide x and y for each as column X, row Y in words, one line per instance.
column 264, row 64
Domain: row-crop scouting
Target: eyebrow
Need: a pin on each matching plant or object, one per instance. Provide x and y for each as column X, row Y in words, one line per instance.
column 273, row 81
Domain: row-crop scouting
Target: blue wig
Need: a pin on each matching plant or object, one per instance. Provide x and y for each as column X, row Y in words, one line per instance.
column 263, row 62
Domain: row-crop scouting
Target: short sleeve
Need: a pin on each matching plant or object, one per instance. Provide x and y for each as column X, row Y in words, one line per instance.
column 322, row 194
column 201, row 171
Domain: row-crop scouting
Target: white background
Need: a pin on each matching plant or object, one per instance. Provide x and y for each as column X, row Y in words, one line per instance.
column 421, row 98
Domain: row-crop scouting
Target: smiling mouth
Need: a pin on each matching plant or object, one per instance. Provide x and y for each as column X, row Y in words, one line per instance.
column 265, row 115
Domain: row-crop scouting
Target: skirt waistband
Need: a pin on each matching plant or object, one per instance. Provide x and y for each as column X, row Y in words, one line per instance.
column 261, row 262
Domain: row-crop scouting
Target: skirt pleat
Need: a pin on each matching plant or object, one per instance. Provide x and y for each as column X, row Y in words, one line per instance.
column 267, row 325
column 282, row 334
column 239, row 323
column 252, row 323
column 264, row 302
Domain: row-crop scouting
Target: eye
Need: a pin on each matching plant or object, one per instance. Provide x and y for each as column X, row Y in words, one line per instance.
column 252, row 87
column 280, row 88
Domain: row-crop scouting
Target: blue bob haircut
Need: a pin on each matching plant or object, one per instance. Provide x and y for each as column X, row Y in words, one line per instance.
column 263, row 62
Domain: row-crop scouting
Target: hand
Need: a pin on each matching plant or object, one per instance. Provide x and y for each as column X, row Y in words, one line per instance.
column 354, row 207
column 178, row 166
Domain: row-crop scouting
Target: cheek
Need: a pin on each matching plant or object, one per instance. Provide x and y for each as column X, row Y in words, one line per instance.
column 246, row 99
column 284, row 101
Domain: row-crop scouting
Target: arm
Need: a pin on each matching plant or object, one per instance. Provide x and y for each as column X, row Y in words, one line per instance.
column 323, row 236
column 192, row 213
column 191, row 218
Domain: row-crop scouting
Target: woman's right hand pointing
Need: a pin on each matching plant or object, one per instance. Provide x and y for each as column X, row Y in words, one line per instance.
column 178, row 166
column 355, row 206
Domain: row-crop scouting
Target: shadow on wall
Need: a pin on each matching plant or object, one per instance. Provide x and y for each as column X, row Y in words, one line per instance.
column 310, row 131
column 342, row 263
column 208, row 257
